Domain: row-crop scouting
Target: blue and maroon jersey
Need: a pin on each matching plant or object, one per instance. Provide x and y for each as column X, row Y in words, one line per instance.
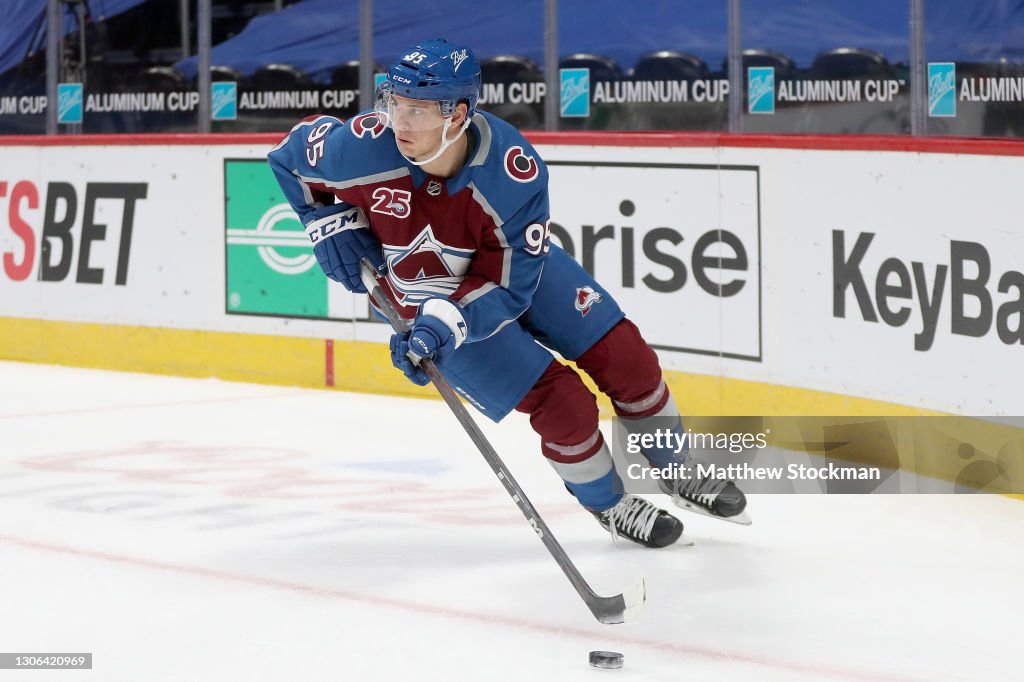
column 479, row 238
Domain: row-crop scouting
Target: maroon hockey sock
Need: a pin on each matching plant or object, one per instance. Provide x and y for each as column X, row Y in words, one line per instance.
column 626, row 369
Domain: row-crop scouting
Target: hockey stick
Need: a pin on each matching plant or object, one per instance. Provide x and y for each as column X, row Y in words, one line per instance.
column 617, row 609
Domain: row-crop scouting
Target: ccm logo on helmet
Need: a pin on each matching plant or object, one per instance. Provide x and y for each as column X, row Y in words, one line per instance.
column 519, row 166
column 368, row 123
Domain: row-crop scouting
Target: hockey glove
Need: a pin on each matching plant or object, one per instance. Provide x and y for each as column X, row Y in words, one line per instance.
column 400, row 359
column 438, row 330
column 341, row 239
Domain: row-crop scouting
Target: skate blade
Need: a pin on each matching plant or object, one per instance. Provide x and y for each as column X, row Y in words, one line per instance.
column 742, row 518
column 683, row 541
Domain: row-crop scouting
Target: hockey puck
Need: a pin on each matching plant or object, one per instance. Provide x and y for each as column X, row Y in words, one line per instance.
column 606, row 659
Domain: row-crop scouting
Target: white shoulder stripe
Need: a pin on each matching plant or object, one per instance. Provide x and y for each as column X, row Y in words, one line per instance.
column 477, row 293
column 506, row 268
column 354, row 182
column 499, row 328
column 485, row 140
column 479, row 197
column 307, row 195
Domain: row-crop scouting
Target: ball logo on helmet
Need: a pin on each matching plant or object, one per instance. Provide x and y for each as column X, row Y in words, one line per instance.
column 458, row 56
column 373, row 123
column 520, row 166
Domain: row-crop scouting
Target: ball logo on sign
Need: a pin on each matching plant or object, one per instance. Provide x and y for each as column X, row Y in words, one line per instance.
column 574, row 97
column 69, row 102
column 942, row 89
column 761, row 90
column 224, row 101
column 520, row 166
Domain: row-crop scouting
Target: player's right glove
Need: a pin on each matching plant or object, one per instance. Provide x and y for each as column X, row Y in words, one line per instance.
column 439, row 328
column 341, row 238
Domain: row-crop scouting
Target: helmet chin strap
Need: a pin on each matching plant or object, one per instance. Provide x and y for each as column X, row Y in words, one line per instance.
column 445, row 142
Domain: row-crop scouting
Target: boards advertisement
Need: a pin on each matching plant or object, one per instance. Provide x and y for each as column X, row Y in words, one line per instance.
column 888, row 275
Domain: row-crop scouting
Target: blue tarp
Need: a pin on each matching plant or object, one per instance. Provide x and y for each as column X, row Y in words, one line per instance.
column 975, row 30
column 316, row 35
column 22, row 17
column 803, row 28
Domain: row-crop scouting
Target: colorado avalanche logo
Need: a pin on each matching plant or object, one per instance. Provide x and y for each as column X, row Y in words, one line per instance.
column 586, row 297
column 373, row 123
column 425, row 268
column 520, row 166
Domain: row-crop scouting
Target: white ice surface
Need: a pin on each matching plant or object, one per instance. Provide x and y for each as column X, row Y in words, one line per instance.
column 183, row 529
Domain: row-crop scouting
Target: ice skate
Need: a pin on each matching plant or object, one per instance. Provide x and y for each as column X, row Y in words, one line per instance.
column 705, row 495
column 638, row 520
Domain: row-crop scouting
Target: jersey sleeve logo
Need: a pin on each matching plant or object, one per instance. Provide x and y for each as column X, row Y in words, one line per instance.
column 393, row 202
column 586, row 298
column 520, row 166
column 373, row 124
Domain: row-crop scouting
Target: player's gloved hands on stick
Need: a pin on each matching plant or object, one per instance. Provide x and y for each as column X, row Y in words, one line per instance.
column 400, row 359
column 438, row 330
column 341, row 238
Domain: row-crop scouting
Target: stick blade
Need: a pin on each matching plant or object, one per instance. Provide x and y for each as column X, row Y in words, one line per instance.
column 621, row 608
column 634, row 598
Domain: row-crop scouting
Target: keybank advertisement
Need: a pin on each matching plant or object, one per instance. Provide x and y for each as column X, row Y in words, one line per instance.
column 894, row 276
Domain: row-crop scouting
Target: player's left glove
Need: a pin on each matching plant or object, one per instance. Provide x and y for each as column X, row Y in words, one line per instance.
column 341, row 239
column 438, row 330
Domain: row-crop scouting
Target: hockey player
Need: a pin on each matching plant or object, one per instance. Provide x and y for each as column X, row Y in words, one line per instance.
column 451, row 206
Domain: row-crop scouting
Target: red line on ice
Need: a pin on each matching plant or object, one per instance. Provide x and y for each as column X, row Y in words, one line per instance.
column 145, row 406
column 604, row 634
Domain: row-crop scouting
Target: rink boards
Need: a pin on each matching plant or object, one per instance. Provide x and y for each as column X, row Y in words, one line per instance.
column 775, row 275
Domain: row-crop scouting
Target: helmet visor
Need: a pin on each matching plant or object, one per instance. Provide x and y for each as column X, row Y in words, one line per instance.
column 409, row 114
